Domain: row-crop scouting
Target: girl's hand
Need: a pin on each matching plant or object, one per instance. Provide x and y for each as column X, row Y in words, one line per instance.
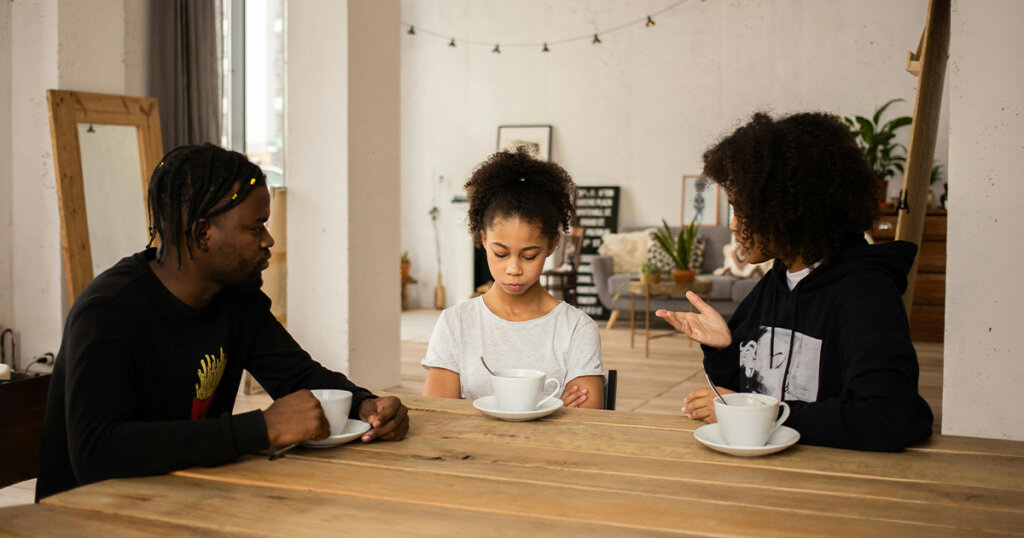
column 706, row 326
column 574, row 396
column 700, row 404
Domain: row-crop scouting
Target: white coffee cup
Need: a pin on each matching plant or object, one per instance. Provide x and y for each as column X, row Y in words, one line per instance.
column 750, row 418
column 337, row 404
column 519, row 389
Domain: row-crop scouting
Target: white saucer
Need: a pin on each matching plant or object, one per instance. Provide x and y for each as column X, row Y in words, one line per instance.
column 710, row 436
column 489, row 406
column 353, row 429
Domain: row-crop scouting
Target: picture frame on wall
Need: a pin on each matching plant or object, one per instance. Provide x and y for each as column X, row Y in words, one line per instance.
column 700, row 197
column 536, row 137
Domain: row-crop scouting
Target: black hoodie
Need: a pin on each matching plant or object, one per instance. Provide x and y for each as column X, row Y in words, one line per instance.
column 850, row 375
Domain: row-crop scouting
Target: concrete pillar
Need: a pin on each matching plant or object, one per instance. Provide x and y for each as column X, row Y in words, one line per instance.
column 343, row 180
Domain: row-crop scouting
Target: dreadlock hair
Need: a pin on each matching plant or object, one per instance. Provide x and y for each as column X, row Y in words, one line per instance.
column 514, row 184
column 196, row 182
column 798, row 184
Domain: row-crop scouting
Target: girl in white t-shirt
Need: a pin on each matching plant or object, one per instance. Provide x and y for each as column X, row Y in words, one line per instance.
column 518, row 206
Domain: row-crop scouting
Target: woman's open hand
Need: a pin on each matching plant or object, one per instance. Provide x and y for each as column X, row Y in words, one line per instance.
column 706, row 326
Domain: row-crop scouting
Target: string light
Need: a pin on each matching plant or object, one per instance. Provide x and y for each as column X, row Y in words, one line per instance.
column 595, row 39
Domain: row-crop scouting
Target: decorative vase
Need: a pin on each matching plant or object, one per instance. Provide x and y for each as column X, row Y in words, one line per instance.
column 650, row 278
column 405, row 271
column 683, row 276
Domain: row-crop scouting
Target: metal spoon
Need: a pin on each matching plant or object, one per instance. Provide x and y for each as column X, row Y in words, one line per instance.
column 706, row 376
column 280, row 452
column 485, row 365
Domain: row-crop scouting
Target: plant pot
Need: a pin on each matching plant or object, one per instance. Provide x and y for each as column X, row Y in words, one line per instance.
column 651, row 278
column 683, row 276
column 405, row 271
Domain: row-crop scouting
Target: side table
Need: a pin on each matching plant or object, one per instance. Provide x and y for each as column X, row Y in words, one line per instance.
column 405, row 281
column 636, row 288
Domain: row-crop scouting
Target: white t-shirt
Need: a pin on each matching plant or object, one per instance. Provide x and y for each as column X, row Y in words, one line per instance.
column 794, row 278
column 564, row 343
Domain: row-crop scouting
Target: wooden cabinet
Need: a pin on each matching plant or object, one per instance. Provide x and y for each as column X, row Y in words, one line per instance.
column 928, row 313
column 22, row 407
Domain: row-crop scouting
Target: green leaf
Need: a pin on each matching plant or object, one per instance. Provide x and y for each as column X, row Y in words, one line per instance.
column 897, row 123
column 881, row 110
column 867, row 130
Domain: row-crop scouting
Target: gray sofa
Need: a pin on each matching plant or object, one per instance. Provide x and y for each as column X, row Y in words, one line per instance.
column 726, row 291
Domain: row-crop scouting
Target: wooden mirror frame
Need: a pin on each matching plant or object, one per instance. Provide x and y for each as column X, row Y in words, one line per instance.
column 67, row 110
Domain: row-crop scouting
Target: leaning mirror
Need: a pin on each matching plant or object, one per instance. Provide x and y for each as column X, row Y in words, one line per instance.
column 104, row 148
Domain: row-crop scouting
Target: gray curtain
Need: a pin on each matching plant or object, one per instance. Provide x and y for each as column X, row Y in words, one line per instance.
column 184, row 69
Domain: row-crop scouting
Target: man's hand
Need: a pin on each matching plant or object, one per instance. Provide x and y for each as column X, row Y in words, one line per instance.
column 295, row 418
column 388, row 418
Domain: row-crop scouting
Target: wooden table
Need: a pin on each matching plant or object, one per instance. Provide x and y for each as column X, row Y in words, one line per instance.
column 637, row 288
column 579, row 472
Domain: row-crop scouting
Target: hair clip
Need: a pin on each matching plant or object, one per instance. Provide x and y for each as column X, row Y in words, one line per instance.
column 252, row 181
column 233, row 196
column 161, row 164
column 522, row 180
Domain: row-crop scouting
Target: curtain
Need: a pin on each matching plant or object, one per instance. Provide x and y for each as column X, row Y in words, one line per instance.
column 184, row 72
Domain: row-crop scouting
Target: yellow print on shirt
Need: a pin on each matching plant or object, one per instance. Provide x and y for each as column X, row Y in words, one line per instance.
column 210, row 374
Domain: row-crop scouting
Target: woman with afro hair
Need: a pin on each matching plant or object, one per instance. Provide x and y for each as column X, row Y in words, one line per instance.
column 518, row 208
column 825, row 330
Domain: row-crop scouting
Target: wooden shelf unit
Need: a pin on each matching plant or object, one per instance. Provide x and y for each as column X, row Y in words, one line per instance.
column 928, row 314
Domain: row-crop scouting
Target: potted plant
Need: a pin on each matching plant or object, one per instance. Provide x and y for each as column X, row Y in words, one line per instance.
column 679, row 249
column 650, row 273
column 884, row 154
column 405, row 265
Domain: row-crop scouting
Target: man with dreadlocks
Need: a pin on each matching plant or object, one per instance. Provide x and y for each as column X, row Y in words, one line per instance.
column 154, row 348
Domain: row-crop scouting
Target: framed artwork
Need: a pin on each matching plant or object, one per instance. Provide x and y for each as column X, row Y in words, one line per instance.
column 700, row 199
column 536, row 137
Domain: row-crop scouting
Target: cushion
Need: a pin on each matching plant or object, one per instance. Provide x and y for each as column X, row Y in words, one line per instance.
column 627, row 250
column 657, row 255
column 697, row 254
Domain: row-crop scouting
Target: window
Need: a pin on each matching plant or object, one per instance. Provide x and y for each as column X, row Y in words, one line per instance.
column 253, row 83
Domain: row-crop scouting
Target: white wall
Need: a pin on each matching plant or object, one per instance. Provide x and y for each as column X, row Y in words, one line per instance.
column 343, row 204
column 36, row 283
column 983, row 370
column 636, row 111
column 5, row 165
column 318, row 257
column 53, row 44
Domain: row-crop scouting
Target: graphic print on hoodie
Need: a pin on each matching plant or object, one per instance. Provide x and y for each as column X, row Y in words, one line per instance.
column 765, row 365
column 851, row 375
